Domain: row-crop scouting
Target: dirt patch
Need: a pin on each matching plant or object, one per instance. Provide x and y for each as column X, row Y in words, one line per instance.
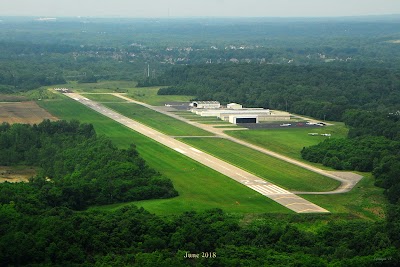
column 23, row 112
column 16, row 174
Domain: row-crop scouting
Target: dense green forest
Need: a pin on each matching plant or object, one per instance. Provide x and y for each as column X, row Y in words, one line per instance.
column 77, row 168
column 134, row 237
column 323, row 92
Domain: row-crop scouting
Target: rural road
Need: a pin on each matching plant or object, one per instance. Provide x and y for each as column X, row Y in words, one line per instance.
column 279, row 195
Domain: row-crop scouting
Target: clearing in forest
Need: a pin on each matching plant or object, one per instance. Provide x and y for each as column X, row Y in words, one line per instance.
column 16, row 174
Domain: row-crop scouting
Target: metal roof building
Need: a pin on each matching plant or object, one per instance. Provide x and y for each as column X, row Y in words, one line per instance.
column 205, row 104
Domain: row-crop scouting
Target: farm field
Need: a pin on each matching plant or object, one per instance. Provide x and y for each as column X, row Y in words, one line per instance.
column 156, row 120
column 199, row 187
column 12, row 98
column 23, row 112
column 276, row 171
column 289, row 141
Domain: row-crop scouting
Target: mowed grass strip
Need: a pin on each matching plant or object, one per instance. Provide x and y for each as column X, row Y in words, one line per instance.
column 101, row 86
column 289, row 141
column 144, row 94
column 276, row 171
column 156, row 120
column 199, row 187
column 149, row 95
column 104, row 98
column 365, row 200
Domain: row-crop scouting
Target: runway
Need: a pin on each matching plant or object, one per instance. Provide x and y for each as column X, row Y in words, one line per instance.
column 274, row 192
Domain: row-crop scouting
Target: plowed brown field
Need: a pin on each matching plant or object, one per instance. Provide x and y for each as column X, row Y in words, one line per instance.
column 23, row 112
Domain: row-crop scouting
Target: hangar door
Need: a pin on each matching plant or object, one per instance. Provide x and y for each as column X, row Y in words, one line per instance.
column 246, row 120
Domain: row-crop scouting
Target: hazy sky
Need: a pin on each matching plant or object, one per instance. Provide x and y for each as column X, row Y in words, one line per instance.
column 199, row 8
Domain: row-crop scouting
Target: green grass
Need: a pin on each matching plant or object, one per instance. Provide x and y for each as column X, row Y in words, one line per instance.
column 101, row 86
column 144, row 94
column 199, row 187
column 156, row 120
column 364, row 201
column 149, row 95
column 104, row 98
column 289, row 141
column 279, row 172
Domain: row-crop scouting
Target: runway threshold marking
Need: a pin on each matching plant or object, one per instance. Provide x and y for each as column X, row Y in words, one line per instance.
column 241, row 175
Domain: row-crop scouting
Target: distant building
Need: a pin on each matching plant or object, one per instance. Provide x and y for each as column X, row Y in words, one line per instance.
column 205, row 104
column 234, row 106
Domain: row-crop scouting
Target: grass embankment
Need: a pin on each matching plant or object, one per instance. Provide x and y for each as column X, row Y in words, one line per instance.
column 156, row 120
column 199, row 187
column 279, row 172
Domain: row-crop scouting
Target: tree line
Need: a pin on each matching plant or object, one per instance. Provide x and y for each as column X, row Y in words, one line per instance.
column 76, row 168
column 317, row 91
column 131, row 236
column 373, row 144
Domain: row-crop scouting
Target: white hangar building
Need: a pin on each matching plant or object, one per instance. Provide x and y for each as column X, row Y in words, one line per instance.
column 235, row 113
